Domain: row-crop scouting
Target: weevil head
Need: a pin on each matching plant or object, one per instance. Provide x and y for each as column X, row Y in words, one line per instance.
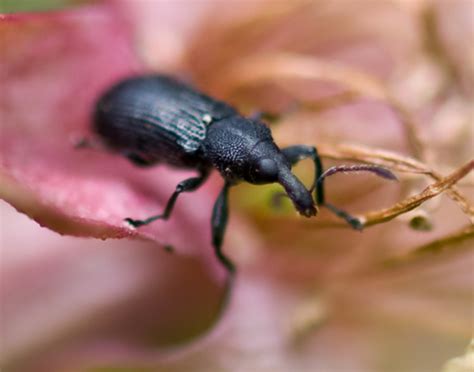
column 244, row 150
column 268, row 165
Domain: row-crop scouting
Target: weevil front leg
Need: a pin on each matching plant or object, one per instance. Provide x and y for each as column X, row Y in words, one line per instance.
column 187, row 185
column 268, row 117
column 299, row 152
column 272, row 117
column 220, row 214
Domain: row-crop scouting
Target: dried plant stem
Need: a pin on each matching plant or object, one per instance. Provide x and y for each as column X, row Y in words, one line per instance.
column 279, row 67
column 395, row 162
column 373, row 218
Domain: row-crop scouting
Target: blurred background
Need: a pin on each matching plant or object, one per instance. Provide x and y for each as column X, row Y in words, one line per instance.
column 378, row 81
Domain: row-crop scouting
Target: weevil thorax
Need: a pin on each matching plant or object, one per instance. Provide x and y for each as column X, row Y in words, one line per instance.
column 234, row 144
column 244, row 150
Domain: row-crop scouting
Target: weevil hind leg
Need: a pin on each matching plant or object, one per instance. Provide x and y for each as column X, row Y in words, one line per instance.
column 188, row 185
column 273, row 117
column 138, row 160
column 80, row 143
column 265, row 116
column 90, row 143
column 299, row 152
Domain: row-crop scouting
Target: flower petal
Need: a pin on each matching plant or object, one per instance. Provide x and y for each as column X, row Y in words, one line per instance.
column 63, row 293
column 55, row 65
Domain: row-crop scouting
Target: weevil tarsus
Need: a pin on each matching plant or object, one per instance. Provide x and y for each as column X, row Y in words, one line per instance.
column 355, row 223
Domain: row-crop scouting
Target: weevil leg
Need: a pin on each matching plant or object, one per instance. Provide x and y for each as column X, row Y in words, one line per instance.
column 296, row 153
column 220, row 214
column 138, row 160
column 81, row 143
column 265, row 116
column 187, row 185
column 272, row 117
column 299, row 152
column 86, row 143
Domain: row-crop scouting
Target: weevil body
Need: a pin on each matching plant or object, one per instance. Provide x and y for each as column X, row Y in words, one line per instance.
column 157, row 119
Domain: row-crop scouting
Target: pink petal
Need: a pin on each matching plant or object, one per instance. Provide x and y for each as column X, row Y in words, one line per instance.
column 62, row 293
column 54, row 66
column 164, row 44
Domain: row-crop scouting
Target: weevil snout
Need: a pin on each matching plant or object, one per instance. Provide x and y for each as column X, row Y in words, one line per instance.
column 310, row 211
column 297, row 192
column 304, row 203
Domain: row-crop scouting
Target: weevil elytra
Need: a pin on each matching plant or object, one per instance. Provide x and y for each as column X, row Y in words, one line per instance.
column 156, row 119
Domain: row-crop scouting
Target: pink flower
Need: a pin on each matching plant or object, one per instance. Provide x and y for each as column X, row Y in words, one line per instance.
column 53, row 67
column 361, row 80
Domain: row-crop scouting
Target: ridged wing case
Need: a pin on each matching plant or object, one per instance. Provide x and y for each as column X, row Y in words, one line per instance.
column 153, row 119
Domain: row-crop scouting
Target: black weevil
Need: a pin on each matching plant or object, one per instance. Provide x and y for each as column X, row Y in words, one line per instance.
column 156, row 119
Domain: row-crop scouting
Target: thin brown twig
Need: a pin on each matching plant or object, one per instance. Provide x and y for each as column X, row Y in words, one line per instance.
column 373, row 218
column 280, row 66
column 412, row 202
column 395, row 162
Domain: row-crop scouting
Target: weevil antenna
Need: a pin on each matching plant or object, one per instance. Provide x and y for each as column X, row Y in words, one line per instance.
column 356, row 168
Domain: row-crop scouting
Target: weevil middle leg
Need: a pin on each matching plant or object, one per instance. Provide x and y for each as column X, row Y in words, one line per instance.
column 272, row 117
column 220, row 214
column 188, row 185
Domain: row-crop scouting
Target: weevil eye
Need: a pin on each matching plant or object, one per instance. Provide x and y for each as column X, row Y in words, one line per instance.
column 265, row 171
